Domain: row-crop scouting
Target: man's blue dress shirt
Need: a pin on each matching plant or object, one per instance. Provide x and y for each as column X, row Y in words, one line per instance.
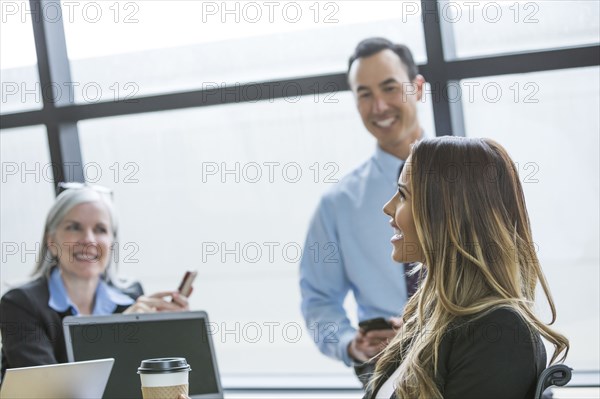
column 348, row 248
column 107, row 297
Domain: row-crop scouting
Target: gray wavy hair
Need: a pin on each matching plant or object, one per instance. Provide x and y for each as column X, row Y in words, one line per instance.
column 66, row 201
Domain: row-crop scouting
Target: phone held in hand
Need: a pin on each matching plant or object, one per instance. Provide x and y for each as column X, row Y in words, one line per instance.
column 378, row 323
column 185, row 288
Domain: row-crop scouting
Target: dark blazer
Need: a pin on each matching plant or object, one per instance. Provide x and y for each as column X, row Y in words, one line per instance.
column 494, row 356
column 32, row 332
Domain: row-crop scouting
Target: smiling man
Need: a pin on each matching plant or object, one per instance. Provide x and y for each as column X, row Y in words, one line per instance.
column 386, row 85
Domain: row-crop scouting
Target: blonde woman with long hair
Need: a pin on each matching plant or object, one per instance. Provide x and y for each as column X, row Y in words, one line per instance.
column 470, row 331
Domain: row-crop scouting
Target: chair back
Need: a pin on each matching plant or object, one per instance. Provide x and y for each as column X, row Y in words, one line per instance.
column 558, row 374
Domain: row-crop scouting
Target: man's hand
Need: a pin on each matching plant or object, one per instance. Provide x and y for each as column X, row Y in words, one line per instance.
column 367, row 345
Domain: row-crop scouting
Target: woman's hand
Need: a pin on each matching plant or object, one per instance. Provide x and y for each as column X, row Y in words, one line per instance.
column 157, row 303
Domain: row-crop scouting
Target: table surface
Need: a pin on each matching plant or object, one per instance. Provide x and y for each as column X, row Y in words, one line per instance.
column 558, row 393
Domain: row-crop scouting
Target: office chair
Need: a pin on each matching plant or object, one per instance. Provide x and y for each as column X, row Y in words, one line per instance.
column 558, row 375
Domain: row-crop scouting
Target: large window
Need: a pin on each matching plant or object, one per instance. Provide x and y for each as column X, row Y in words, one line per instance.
column 21, row 89
column 128, row 49
column 494, row 27
column 27, row 194
column 550, row 128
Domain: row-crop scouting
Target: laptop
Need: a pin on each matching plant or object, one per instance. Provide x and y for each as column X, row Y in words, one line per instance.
column 131, row 338
column 58, row 381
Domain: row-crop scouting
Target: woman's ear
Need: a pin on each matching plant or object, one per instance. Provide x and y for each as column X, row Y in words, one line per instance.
column 52, row 246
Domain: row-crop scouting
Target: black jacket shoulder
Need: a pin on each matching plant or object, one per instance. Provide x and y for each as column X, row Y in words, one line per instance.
column 32, row 332
column 36, row 290
column 492, row 356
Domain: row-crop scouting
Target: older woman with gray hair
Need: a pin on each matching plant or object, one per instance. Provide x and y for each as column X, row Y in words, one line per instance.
column 73, row 276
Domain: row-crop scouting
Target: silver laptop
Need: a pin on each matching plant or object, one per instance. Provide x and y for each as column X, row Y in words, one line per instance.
column 58, row 381
column 132, row 338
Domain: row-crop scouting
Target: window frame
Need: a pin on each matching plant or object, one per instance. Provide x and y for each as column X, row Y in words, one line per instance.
column 61, row 116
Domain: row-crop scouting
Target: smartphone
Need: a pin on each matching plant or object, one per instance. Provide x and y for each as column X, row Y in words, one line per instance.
column 378, row 323
column 185, row 288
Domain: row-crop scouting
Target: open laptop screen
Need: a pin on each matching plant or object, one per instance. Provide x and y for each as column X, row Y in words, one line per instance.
column 82, row 380
column 129, row 339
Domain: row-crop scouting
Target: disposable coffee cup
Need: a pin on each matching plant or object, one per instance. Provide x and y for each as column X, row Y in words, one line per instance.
column 164, row 378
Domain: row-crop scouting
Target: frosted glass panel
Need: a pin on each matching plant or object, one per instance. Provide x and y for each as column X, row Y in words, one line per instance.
column 19, row 76
column 166, row 46
column 492, row 27
column 26, row 194
column 551, row 130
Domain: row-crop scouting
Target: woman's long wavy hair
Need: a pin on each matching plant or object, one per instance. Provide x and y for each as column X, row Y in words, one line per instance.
column 472, row 223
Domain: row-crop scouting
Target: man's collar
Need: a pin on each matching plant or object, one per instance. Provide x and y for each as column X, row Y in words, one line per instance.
column 388, row 164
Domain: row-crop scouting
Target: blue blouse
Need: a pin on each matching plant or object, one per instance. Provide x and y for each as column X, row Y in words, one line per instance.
column 107, row 297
